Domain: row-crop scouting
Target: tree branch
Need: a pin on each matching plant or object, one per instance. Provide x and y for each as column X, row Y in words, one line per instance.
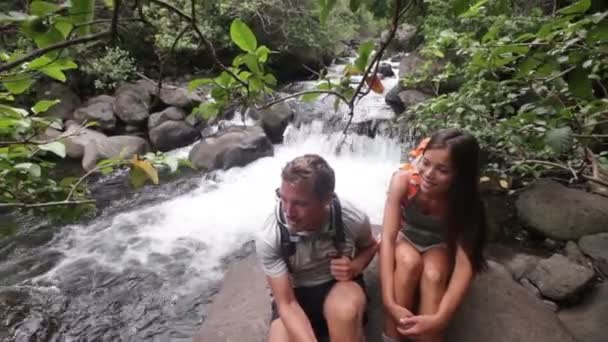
column 329, row 92
column 45, row 204
column 37, row 53
column 201, row 36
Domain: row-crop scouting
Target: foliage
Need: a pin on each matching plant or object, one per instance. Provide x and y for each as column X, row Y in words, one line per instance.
column 532, row 87
column 27, row 153
column 110, row 69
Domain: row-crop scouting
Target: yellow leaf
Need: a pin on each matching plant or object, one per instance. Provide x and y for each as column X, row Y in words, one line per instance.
column 147, row 168
column 375, row 84
column 504, row 184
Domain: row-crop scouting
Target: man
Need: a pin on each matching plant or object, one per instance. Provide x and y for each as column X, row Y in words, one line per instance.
column 313, row 250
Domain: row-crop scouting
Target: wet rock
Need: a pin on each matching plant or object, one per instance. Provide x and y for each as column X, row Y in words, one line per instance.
column 405, row 39
column 235, row 146
column 400, row 100
column 530, row 287
column 173, row 134
column 558, row 278
column 168, row 114
column 78, row 138
column 561, row 213
column 386, row 70
column 596, row 247
column 179, row 97
column 101, row 112
column 59, row 91
column 132, row 103
column 117, row 146
column 274, row 120
column 574, row 253
column 100, row 98
column 588, row 320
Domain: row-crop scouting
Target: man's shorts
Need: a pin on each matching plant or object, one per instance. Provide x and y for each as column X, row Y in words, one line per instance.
column 311, row 299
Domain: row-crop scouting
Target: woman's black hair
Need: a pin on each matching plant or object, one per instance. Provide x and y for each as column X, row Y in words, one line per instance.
column 466, row 218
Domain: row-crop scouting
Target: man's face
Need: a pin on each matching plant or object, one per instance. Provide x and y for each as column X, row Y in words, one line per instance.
column 303, row 210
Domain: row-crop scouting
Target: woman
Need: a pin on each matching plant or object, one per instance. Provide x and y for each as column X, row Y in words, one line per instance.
column 433, row 234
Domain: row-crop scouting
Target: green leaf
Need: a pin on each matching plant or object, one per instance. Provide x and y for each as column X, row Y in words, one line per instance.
column 598, row 33
column 262, row 53
column 43, row 8
column 270, row 79
column 18, row 86
column 251, row 60
column 578, row 7
column 354, row 5
column 529, row 65
column 580, row 84
column 198, row 82
column 365, row 50
column 55, row 73
column 242, row 36
column 559, row 138
column 39, row 62
column 51, row 37
column 326, row 7
column 474, row 10
column 64, row 26
column 109, row 3
column 460, row 6
column 82, row 11
column 207, row 110
column 310, row 97
column 33, row 169
column 56, row 147
column 44, row 105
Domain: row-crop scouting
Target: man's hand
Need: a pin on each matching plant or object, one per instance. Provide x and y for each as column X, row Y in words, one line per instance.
column 343, row 269
column 420, row 326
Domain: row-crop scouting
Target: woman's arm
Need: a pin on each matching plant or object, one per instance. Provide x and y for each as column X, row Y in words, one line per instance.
column 390, row 229
column 458, row 286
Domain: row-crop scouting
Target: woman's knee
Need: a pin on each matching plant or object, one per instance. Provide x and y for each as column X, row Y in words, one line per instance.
column 434, row 275
column 407, row 259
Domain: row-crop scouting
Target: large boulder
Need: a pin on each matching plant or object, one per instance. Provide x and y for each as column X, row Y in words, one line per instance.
column 132, row 103
column 588, row 320
column 124, row 146
column 179, row 97
column 400, row 99
column 411, row 64
column 101, row 112
column 59, row 91
column 235, row 146
column 405, row 39
column 173, row 134
column 596, row 247
column 386, row 70
column 560, row 213
column 274, row 120
column 495, row 309
column 168, row 114
column 559, row 278
column 78, row 138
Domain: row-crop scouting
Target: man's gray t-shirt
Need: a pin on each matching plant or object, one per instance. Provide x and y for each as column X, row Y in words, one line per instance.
column 311, row 260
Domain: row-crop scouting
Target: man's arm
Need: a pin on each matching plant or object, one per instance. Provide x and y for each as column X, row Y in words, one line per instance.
column 293, row 317
column 366, row 254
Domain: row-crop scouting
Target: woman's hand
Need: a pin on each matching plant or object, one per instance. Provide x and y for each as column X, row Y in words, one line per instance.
column 399, row 313
column 420, row 326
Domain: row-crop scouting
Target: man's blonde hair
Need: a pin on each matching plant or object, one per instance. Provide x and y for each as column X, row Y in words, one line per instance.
column 313, row 170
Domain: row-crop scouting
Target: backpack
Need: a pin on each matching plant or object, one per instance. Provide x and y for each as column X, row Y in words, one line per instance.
column 288, row 240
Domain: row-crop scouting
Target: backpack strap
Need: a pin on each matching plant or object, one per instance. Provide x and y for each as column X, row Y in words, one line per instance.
column 336, row 227
column 288, row 242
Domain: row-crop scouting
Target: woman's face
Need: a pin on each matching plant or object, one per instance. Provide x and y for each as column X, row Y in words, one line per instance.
column 436, row 171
